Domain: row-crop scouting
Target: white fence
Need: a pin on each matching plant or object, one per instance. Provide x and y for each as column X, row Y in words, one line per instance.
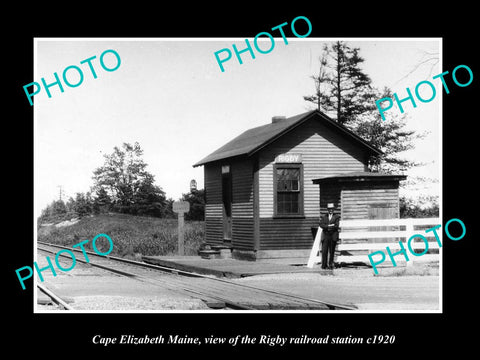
column 355, row 230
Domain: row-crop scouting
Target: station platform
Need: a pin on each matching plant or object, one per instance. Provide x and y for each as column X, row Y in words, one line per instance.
column 233, row 268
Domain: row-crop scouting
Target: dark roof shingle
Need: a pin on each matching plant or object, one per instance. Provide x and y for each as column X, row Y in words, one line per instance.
column 256, row 138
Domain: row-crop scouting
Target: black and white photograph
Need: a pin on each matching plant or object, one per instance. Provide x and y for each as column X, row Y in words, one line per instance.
column 271, row 185
column 214, row 186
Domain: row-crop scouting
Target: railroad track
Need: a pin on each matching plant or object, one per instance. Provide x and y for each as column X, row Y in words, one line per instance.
column 55, row 298
column 215, row 292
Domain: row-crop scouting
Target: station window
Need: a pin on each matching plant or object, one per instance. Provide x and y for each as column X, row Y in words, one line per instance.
column 288, row 182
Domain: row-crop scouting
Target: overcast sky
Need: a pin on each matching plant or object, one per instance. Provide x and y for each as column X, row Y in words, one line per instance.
column 171, row 97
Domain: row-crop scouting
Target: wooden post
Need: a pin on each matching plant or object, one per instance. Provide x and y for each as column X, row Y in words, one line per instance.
column 314, row 257
column 410, row 233
column 181, row 238
column 181, row 207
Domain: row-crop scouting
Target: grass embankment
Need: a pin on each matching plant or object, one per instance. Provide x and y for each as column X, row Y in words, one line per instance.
column 132, row 236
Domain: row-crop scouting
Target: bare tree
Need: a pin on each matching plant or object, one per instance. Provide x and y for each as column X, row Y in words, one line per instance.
column 430, row 59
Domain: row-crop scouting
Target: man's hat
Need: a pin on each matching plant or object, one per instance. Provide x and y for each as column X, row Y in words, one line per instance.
column 330, row 206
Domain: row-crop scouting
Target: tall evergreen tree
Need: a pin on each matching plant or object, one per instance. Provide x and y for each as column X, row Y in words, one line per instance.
column 344, row 92
column 392, row 137
column 58, row 207
column 83, row 204
column 149, row 199
column 56, row 210
column 342, row 88
column 102, row 201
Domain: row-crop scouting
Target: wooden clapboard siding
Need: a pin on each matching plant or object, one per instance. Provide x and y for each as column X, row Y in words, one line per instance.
column 324, row 153
column 357, row 201
column 213, row 224
column 277, row 234
column 242, row 182
column 242, row 204
column 242, row 233
column 213, row 205
column 213, row 183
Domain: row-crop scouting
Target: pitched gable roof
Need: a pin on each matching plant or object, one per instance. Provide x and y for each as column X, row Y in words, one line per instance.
column 255, row 139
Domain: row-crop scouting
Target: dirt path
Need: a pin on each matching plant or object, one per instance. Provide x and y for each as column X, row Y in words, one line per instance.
column 359, row 288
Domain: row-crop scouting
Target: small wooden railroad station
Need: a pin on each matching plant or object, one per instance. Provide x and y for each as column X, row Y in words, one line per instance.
column 266, row 189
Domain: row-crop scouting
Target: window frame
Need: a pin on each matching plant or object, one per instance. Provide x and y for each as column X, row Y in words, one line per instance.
column 298, row 166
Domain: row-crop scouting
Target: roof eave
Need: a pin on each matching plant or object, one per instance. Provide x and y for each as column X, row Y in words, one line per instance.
column 202, row 163
column 351, row 134
column 346, row 131
column 308, row 116
column 360, row 178
column 279, row 135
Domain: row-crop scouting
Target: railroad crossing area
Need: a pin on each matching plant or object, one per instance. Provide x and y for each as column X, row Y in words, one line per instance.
column 233, row 268
column 401, row 288
column 109, row 284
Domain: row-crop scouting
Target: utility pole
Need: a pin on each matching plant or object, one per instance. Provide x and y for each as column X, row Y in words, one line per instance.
column 60, row 191
column 181, row 207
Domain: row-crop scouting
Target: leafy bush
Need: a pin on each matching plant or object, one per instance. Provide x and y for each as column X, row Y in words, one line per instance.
column 130, row 234
column 420, row 207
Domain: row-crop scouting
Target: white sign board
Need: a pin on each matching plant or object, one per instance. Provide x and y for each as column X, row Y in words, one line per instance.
column 289, row 158
column 181, row 207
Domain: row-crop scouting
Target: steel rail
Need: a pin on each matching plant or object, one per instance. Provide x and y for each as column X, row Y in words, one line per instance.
column 332, row 306
column 133, row 262
column 157, row 282
column 56, row 299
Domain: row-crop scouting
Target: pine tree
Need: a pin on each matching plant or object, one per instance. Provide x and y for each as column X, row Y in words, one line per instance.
column 102, row 202
column 55, row 211
column 83, row 204
column 149, row 199
column 391, row 137
column 343, row 90
column 58, row 208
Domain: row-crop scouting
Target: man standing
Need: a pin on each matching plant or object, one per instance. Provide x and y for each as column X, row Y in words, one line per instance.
column 329, row 224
